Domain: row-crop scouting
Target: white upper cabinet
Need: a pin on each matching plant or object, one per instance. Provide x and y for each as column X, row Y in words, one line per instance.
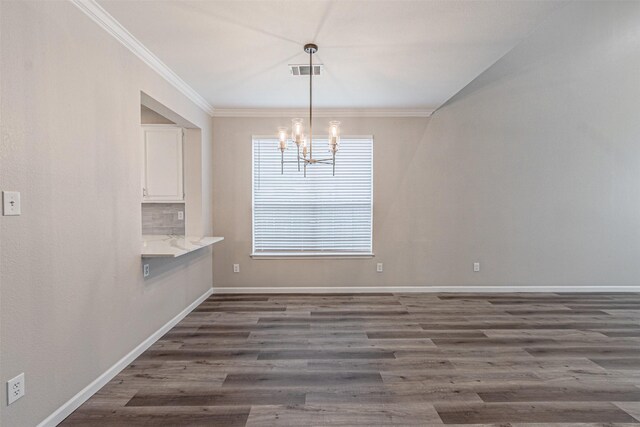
column 163, row 176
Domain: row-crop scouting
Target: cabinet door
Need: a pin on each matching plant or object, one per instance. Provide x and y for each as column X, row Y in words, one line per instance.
column 163, row 164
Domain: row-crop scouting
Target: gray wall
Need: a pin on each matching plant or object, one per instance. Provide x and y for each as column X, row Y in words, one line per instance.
column 73, row 298
column 533, row 170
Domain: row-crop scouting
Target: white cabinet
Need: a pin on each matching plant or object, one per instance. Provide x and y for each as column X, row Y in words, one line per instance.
column 163, row 176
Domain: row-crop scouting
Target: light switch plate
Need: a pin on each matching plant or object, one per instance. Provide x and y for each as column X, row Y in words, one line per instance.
column 11, row 203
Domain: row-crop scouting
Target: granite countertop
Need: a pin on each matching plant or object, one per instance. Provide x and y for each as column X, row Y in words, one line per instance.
column 156, row 246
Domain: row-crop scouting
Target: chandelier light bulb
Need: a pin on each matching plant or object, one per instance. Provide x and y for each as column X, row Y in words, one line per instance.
column 297, row 130
column 334, row 135
column 282, row 138
column 334, row 128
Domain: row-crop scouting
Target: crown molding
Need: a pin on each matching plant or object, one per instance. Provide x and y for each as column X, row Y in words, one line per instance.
column 323, row 112
column 100, row 16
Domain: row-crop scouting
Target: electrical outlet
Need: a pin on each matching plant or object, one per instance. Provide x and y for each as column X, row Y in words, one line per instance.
column 180, row 215
column 476, row 267
column 379, row 267
column 15, row 388
column 146, row 270
column 236, row 268
column 11, row 203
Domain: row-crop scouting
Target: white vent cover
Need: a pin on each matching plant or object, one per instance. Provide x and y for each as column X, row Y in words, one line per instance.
column 303, row 70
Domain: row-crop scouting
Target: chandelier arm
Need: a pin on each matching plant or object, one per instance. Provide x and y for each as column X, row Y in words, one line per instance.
column 311, row 161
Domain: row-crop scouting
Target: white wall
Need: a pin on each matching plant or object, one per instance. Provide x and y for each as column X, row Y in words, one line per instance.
column 533, row 170
column 73, row 300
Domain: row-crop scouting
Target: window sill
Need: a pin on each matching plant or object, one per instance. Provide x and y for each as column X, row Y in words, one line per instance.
column 334, row 255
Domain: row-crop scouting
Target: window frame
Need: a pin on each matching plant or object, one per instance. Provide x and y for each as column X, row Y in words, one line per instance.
column 308, row 255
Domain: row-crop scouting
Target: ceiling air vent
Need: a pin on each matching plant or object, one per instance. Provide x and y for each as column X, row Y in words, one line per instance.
column 303, row 70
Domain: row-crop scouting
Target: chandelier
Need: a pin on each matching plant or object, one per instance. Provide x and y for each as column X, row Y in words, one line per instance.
column 304, row 143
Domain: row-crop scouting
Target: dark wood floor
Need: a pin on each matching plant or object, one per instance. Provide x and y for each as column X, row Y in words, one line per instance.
column 386, row 359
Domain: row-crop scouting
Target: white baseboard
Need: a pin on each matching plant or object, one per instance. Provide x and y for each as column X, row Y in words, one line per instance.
column 72, row 404
column 424, row 289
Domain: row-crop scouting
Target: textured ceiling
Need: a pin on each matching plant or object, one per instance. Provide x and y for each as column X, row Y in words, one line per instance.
column 382, row 54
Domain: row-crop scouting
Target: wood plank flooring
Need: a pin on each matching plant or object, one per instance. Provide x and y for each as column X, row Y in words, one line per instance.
column 542, row 359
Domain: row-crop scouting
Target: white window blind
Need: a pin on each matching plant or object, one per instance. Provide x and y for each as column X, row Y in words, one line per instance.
column 317, row 215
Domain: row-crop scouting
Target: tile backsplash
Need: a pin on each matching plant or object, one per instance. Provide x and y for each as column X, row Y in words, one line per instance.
column 162, row 218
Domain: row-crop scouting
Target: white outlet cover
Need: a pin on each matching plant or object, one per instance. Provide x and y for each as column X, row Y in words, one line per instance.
column 145, row 270
column 11, row 203
column 476, row 266
column 15, row 388
column 236, row 268
column 180, row 215
column 379, row 267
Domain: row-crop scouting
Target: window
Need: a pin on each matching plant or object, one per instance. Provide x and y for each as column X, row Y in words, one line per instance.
column 320, row 215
